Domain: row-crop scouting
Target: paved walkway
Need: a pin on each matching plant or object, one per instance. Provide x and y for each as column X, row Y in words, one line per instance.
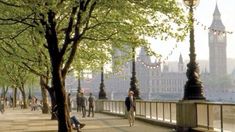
column 19, row 120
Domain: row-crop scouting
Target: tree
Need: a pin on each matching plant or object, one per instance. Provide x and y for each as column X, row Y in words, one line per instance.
column 97, row 24
column 17, row 77
column 26, row 52
column 4, row 82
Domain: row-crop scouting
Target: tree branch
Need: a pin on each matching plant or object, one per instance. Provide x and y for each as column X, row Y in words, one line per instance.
column 88, row 17
column 27, row 67
column 77, row 36
column 9, row 4
column 17, row 20
column 68, row 31
column 13, row 53
column 20, row 32
column 101, row 39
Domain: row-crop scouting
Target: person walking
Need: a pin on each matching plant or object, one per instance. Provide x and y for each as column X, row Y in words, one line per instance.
column 130, row 106
column 83, row 104
column 91, row 101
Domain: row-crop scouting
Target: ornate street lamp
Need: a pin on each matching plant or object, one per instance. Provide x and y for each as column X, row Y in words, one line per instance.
column 133, row 82
column 77, row 74
column 78, row 93
column 30, row 94
column 78, row 96
column 193, row 89
column 79, row 84
column 102, row 93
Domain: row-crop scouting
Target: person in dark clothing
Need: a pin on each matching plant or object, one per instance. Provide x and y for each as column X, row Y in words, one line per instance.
column 83, row 104
column 130, row 106
column 91, row 101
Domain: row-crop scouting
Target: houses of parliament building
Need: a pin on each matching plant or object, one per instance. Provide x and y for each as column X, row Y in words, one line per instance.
column 156, row 81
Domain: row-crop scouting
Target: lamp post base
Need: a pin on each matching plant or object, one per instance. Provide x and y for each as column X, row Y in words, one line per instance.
column 102, row 93
column 193, row 92
column 193, row 89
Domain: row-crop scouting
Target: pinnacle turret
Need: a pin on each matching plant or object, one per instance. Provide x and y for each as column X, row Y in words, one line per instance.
column 217, row 23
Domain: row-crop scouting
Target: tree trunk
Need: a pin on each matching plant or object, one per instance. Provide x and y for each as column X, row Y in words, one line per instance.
column 14, row 97
column 45, row 106
column 4, row 92
column 25, row 106
column 60, row 94
column 22, row 90
column 57, row 78
column 51, row 92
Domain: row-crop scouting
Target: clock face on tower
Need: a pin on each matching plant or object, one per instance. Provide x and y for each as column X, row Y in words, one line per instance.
column 220, row 38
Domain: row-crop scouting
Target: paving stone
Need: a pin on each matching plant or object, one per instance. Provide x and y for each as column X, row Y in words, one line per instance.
column 25, row 120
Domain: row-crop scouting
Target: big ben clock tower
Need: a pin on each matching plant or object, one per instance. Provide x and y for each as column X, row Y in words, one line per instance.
column 217, row 46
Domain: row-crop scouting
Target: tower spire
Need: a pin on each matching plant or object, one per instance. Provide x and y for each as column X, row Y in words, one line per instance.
column 217, row 23
column 181, row 59
column 216, row 11
column 181, row 64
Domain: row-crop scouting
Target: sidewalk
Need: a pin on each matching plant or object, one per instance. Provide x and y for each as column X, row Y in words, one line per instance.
column 24, row 120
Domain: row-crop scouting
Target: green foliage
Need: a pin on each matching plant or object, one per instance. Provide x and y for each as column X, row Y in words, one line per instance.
column 4, row 81
column 116, row 24
column 13, row 75
column 111, row 25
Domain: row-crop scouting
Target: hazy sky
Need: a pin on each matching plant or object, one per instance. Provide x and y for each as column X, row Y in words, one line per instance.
column 204, row 14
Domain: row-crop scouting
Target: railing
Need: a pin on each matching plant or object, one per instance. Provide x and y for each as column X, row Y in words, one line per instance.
column 155, row 110
column 216, row 116
column 112, row 106
column 212, row 116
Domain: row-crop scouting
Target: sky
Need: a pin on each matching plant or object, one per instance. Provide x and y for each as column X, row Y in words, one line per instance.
column 204, row 14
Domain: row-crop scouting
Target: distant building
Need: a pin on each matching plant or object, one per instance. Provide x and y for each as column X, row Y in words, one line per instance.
column 156, row 81
column 217, row 46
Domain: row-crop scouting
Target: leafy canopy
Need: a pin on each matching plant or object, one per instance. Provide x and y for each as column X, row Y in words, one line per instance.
column 112, row 24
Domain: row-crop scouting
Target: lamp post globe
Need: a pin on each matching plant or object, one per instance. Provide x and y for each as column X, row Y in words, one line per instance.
column 193, row 89
column 191, row 3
